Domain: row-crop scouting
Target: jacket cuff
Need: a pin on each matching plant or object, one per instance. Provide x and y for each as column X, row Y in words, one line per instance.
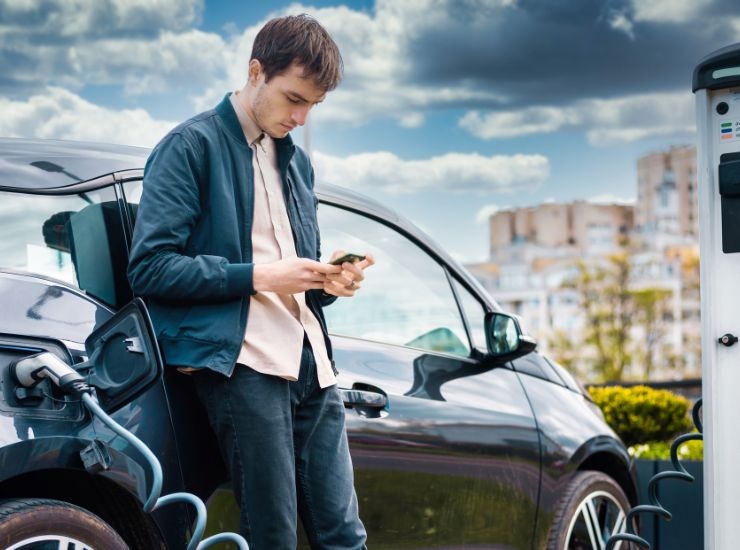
column 327, row 299
column 239, row 279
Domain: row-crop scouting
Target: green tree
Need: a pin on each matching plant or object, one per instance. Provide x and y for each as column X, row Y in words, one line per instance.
column 691, row 357
column 566, row 351
column 652, row 309
column 605, row 299
column 624, row 328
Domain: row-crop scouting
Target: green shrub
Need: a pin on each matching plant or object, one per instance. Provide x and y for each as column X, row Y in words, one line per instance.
column 641, row 414
column 661, row 450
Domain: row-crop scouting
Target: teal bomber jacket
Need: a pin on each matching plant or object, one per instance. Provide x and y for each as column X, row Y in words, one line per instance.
column 191, row 256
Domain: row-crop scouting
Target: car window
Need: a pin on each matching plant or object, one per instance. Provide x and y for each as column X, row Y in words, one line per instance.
column 133, row 190
column 475, row 314
column 406, row 298
column 77, row 239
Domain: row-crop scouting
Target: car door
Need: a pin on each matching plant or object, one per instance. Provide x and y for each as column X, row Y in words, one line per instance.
column 203, row 470
column 444, row 444
column 62, row 275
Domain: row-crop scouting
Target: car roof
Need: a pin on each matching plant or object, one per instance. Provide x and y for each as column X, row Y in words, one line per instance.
column 38, row 165
column 35, row 164
column 57, row 166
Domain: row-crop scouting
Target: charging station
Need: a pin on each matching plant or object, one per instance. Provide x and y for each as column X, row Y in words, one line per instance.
column 716, row 84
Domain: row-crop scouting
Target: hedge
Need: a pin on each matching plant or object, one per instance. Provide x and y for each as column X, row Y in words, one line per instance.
column 661, row 450
column 641, row 414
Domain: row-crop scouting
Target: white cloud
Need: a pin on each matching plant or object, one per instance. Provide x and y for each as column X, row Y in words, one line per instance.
column 636, row 117
column 151, row 47
column 411, row 120
column 382, row 80
column 75, row 18
column 668, row 11
column 607, row 121
column 610, row 198
column 60, row 114
column 656, row 11
column 620, row 22
column 453, row 172
column 508, row 124
column 485, row 213
column 151, row 66
column 388, row 99
column 146, row 45
column 377, row 64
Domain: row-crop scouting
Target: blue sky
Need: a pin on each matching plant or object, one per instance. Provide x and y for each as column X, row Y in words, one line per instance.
column 449, row 110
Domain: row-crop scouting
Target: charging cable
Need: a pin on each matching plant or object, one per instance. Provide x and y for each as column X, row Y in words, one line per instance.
column 29, row 371
column 655, row 507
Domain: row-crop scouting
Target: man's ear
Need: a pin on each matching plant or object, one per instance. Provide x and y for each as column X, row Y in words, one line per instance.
column 254, row 72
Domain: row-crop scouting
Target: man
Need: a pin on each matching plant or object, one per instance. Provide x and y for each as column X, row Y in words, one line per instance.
column 225, row 250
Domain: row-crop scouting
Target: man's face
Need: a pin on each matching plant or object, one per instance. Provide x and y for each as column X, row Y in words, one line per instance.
column 283, row 102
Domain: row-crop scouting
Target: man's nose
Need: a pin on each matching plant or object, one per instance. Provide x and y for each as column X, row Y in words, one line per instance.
column 300, row 114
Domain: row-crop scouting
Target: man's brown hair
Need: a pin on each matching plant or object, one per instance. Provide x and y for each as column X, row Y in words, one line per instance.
column 300, row 39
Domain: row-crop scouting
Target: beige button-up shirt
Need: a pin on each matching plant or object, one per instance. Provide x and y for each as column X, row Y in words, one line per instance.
column 273, row 339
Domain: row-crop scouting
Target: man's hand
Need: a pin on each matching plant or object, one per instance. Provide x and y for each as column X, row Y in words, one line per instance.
column 349, row 280
column 292, row 275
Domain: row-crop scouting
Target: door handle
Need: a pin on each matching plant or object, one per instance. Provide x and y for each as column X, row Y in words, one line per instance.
column 363, row 398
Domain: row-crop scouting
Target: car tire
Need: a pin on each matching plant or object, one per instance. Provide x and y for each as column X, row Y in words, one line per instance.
column 592, row 509
column 34, row 523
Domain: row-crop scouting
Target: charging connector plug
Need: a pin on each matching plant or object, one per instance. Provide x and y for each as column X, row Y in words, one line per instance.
column 29, row 371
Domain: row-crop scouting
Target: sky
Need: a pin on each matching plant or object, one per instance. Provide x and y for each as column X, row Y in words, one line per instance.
column 449, row 109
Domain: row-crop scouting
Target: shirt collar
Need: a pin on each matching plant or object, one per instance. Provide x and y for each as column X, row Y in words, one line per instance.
column 251, row 131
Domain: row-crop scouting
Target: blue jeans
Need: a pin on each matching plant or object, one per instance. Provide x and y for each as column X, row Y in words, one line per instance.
column 286, row 449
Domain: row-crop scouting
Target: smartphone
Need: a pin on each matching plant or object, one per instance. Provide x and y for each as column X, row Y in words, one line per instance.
column 351, row 258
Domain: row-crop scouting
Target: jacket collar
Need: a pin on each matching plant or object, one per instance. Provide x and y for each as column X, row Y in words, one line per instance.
column 228, row 116
column 225, row 110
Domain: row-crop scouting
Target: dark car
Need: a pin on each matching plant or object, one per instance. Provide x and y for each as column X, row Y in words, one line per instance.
column 462, row 434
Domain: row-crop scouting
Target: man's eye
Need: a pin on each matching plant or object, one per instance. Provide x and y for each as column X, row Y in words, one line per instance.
column 293, row 100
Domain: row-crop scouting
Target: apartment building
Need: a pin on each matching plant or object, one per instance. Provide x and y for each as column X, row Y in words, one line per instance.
column 557, row 230
column 667, row 195
column 534, row 250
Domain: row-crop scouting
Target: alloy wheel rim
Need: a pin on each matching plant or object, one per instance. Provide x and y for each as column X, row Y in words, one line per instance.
column 598, row 516
column 50, row 542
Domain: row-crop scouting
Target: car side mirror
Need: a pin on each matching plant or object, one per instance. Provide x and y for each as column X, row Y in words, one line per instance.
column 505, row 338
column 123, row 356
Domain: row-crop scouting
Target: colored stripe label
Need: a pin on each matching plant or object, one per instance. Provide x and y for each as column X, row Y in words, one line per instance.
column 729, row 130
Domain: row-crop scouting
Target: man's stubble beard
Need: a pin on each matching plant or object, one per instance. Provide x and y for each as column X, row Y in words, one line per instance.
column 261, row 110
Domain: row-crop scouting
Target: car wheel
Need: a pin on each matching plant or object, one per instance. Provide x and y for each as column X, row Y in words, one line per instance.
column 592, row 509
column 44, row 524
